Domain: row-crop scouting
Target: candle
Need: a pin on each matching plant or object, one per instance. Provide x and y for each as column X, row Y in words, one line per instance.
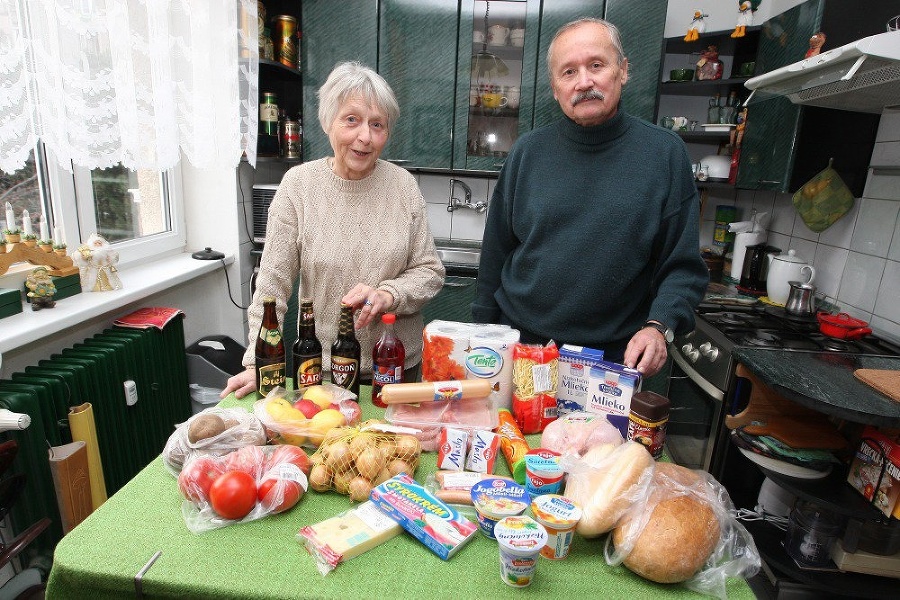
column 57, row 235
column 45, row 230
column 10, row 217
column 26, row 223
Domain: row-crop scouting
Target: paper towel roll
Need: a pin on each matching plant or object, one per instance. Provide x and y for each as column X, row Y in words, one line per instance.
column 444, row 348
column 490, row 357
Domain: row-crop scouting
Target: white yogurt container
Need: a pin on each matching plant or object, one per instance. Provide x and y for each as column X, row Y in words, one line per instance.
column 520, row 540
column 559, row 516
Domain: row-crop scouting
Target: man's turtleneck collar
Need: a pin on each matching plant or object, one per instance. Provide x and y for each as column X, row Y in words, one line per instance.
column 596, row 134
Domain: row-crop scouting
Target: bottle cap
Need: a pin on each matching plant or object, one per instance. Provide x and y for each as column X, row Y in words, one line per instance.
column 388, row 318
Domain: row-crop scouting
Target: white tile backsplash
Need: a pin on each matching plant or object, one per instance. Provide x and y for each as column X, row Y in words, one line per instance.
column 461, row 224
column 829, row 264
column 889, row 126
column 884, row 184
column 887, row 304
column 841, row 232
column 874, row 226
column 885, row 154
column 894, row 252
column 438, row 220
column 802, row 231
column 783, row 219
column 861, row 280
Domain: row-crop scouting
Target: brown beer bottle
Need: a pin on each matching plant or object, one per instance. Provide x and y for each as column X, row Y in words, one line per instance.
column 270, row 356
column 307, row 349
column 346, row 353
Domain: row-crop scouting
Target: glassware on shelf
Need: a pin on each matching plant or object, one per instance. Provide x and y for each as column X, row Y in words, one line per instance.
column 715, row 109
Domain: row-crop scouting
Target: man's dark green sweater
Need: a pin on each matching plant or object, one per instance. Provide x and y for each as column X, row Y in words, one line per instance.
column 591, row 232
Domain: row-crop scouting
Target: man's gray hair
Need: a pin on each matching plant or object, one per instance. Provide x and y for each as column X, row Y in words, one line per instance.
column 613, row 31
column 350, row 79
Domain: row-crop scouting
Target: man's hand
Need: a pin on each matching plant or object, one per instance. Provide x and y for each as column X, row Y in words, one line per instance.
column 646, row 351
column 241, row 384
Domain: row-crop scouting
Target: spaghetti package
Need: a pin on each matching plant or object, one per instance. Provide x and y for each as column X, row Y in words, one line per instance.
column 535, row 374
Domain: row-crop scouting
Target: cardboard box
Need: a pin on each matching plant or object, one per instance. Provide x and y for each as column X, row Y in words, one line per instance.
column 879, row 447
column 10, row 302
column 575, row 363
column 610, row 389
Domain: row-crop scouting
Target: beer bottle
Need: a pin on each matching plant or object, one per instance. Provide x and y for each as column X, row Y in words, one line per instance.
column 307, row 349
column 270, row 357
column 388, row 356
column 346, row 353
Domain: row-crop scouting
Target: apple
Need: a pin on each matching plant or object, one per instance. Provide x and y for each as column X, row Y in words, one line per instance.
column 318, row 394
column 307, row 407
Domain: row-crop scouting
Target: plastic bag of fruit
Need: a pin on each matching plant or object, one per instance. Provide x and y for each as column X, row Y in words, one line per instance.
column 353, row 460
column 244, row 485
column 302, row 418
column 214, row 431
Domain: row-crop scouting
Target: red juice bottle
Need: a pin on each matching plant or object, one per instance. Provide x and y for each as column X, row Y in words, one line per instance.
column 387, row 359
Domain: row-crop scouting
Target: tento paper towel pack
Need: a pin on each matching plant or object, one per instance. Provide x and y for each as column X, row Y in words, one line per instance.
column 490, row 357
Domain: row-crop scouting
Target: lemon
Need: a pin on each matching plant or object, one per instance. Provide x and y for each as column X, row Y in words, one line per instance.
column 320, row 395
column 322, row 422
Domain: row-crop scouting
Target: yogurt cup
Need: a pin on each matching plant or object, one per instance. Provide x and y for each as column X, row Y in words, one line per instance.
column 559, row 516
column 495, row 498
column 543, row 475
column 520, row 540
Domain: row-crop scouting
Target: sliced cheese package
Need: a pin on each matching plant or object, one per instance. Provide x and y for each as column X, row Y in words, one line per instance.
column 347, row 535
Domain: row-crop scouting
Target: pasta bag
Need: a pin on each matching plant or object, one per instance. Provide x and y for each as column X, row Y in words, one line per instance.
column 535, row 376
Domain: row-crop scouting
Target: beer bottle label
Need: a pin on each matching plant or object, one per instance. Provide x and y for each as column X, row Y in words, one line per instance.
column 309, row 372
column 271, row 376
column 271, row 336
column 344, row 371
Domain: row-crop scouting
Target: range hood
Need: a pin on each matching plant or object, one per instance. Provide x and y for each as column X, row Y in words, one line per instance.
column 862, row 76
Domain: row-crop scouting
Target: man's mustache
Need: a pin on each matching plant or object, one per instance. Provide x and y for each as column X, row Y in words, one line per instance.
column 588, row 95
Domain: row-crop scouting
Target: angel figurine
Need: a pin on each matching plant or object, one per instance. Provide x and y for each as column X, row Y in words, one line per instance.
column 97, row 261
column 746, row 8
column 697, row 26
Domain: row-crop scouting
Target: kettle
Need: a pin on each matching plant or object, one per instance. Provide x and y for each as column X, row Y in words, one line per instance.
column 784, row 269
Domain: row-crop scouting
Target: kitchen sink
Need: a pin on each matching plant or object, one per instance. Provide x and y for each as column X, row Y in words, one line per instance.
column 459, row 256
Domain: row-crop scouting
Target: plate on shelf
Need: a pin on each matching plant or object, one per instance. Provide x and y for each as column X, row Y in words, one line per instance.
column 783, row 468
column 717, row 127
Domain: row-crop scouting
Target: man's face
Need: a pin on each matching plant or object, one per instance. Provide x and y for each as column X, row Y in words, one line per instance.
column 585, row 74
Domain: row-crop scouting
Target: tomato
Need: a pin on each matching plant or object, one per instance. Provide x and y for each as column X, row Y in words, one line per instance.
column 292, row 454
column 197, row 476
column 233, row 494
column 249, row 459
column 278, row 495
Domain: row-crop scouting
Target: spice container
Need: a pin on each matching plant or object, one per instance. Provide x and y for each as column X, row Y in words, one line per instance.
column 647, row 421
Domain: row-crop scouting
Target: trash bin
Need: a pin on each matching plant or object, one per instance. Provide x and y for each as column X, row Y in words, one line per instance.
column 211, row 361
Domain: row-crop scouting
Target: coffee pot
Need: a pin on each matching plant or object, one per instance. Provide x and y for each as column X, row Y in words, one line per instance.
column 755, row 268
column 784, row 269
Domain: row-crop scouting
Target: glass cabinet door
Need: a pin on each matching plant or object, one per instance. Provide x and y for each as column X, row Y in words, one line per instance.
column 495, row 79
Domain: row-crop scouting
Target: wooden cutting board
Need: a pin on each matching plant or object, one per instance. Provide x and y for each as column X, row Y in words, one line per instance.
column 884, row 380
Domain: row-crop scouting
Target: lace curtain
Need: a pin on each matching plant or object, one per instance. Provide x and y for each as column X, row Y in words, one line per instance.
column 136, row 82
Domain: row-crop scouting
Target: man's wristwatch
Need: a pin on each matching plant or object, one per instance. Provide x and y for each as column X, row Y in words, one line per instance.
column 668, row 334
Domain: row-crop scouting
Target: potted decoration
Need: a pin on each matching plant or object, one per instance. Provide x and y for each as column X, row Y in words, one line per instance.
column 30, row 240
column 60, row 249
column 13, row 236
column 46, row 245
column 2, row 246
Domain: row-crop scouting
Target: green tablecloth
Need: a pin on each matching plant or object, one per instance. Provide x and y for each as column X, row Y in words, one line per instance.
column 262, row 559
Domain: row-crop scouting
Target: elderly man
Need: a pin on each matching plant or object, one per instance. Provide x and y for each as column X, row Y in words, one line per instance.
column 592, row 233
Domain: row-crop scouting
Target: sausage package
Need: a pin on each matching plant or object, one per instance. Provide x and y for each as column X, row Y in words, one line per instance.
column 429, row 418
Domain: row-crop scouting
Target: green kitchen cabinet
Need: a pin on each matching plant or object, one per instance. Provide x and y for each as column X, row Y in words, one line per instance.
column 332, row 32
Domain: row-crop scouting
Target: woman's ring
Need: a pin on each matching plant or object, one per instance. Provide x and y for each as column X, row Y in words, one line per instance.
column 367, row 302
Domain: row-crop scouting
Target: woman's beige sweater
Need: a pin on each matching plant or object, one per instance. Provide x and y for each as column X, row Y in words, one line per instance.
column 336, row 233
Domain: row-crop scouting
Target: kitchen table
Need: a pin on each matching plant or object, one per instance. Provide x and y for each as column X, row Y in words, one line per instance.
column 262, row 559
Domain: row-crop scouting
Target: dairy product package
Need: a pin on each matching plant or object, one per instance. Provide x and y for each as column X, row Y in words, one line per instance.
column 575, row 363
column 610, row 388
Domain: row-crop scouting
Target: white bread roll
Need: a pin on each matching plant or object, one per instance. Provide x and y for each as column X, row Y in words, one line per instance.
column 680, row 533
column 617, row 478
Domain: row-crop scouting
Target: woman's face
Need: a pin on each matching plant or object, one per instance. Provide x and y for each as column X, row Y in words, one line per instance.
column 357, row 135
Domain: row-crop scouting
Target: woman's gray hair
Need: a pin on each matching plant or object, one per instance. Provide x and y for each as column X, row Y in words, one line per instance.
column 349, row 79
column 611, row 29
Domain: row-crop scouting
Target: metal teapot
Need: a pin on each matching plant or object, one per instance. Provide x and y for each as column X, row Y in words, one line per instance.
column 784, row 269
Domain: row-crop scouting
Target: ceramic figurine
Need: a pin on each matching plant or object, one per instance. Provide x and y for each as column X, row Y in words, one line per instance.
column 697, row 26
column 97, row 261
column 815, row 44
column 746, row 8
column 40, row 289
column 709, row 66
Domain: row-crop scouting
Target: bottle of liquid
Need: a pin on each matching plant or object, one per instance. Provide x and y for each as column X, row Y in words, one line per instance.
column 714, row 110
column 727, row 112
column 307, row 349
column 270, row 356
column 346, row 353
column 268, row 114
column 388, row 356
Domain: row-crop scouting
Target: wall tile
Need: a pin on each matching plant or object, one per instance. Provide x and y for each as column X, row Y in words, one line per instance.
column 856, row 312
column 706, row 233
column 764, row 201
column 784, row 215
column 468, row 225
column 492, row 183
column 885, row 328
column 804, row 249
column 802, row 231
column 874, row 227
column 883, row 184
column 886, row 304
column 889, row 126
column 439, row 220
column 841, row 233
column 779, row 240
column 744, row 201
column 886, row 154
column 829, row 264
column 435, row 188
column 861, row 280
column 894, row 252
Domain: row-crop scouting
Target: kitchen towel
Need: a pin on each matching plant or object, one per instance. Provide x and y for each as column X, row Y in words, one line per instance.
column 444, row 348
column 490, row 357
column 81, row 422
column 884, row 380
column 71, row 478
column 823, row 200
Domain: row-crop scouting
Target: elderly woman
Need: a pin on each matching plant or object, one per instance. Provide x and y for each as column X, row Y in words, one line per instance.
column 353, row 227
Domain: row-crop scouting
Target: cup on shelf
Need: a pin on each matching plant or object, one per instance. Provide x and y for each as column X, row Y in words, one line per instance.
column 493, row 100
column 680, row 123
column 666, row 122
column 517, row 38
column 477, row 37
column 497, row 35
column 513, row 94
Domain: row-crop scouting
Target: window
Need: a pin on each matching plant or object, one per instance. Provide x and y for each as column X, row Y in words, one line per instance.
column 22, row 191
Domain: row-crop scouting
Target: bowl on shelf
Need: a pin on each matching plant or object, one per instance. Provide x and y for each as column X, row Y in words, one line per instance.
column 717, row 127
column 681, row 74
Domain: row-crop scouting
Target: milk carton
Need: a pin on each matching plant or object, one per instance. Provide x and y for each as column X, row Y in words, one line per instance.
column 610, row 388
column 575, row 363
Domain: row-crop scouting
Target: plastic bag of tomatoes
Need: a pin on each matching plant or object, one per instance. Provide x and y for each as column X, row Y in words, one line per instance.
column 244, row 485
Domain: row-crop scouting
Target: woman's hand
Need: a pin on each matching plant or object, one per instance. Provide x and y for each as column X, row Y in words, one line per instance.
column 369, row 301
column 241, row 384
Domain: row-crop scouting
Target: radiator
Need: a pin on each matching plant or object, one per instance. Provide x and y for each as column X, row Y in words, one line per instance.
column 94, row 371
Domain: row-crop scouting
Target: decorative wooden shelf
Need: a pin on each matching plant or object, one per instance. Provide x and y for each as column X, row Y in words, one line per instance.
column 23, row 252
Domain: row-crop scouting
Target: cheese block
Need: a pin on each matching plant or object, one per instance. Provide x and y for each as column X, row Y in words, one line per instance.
column 347, row 535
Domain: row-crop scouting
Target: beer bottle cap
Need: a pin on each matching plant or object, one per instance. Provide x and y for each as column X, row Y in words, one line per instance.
column 388, row 318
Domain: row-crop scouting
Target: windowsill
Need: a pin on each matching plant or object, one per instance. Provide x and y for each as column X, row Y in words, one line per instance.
column 138, row 282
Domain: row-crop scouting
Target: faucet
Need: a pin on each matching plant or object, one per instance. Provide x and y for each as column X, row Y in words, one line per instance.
column 454, row 203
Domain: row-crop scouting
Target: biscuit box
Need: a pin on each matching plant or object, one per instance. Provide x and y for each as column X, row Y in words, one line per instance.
column 878, row 448
column 575, row 363
column 610, row 388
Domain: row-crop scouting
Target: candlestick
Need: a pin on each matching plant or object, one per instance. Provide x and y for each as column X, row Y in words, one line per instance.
column 10, row 217
column 45, row 230
column 26, row 223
